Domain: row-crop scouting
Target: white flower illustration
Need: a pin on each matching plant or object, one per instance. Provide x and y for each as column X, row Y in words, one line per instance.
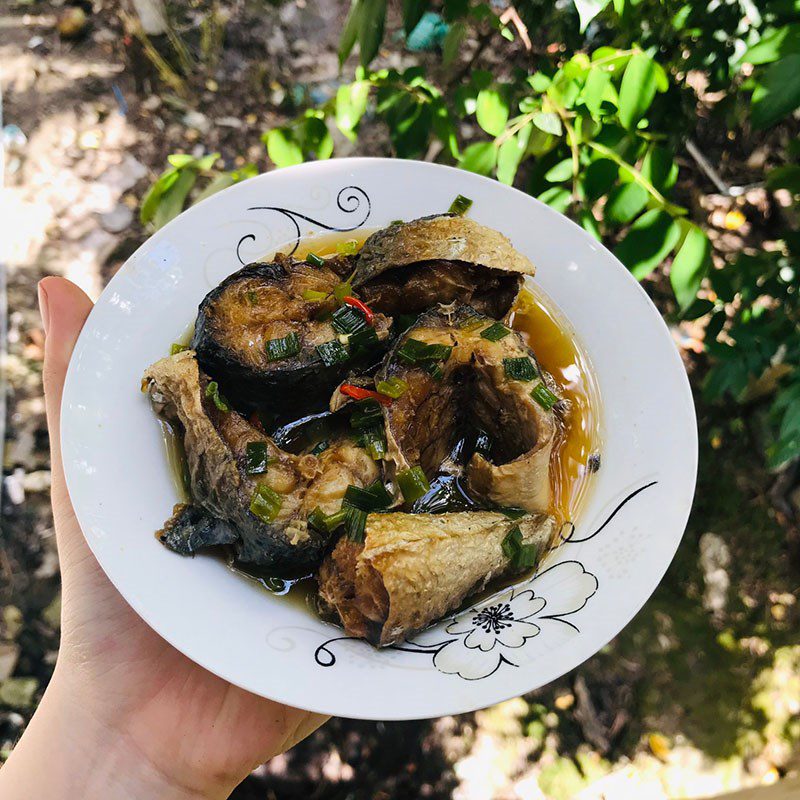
column 483, row 634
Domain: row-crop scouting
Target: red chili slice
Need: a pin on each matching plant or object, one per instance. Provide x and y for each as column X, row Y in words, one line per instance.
column 369, row 315
column 359, row 393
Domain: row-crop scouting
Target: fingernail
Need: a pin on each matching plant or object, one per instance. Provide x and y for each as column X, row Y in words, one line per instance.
column 44, row 309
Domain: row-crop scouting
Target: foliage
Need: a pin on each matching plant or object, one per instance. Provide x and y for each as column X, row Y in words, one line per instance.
column 590, row 126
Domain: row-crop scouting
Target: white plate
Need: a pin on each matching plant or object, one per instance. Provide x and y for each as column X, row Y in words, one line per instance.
column 626, row 533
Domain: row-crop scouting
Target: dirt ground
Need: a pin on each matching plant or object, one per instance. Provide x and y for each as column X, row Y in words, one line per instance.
column 699, row 695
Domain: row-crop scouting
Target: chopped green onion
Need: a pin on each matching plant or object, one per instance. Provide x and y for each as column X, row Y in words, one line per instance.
column 495, row 332
column 521, row 556
column 313, row 296
column 256, row 458
column 355, row 522
column 392, row 387
column 374, row 497
column 413, row 484
column 366, row 414
column 212, row 391
column 177, row 348
column 363, row 341
column 519, row 369
column 333, row 352
column 266, row 503
column 315, row 260
column 460, row 205
column 512, row 543
column 342, row 290
column 396, row 222
column 512, row 512
column 320, row 447
column 403, row 322
column 252, row 297
column 374, row 442
column 316, row 519
column 349, row 320
column 279, row 349
column 433, row 369
column 543, row 396
column 348, row 248
column 413, row 351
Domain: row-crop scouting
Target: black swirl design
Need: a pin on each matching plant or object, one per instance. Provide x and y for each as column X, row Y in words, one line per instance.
column 349, row 200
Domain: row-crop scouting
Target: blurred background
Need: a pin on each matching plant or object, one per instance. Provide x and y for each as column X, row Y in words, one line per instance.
column 668, row 129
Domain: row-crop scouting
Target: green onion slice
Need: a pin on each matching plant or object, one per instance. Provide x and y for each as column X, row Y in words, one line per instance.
column 212, row 391
column 374, row 497
column 413, row 484
column 342, row 290
column 348, row 320
column 355, row 522
column 265, row 503
column 460, row 205
column 373, row 441
column 315, row 260
column 320, row 447
column 392, row 387
column 256, row 458
column 512, row 512
column 543, row 396
column 363, row 341
column 313, row 296
column 413, row 352
column 512, row 543
column 252, row 297
column 521, row 555
column 279, row 349
column 348, row 248
column 520, row 369
column 367, row 413
column 472, row 320
column 177, row 348
column 333, row 352
column 495, row 332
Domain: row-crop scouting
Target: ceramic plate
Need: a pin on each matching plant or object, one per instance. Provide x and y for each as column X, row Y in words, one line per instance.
column 625, row 534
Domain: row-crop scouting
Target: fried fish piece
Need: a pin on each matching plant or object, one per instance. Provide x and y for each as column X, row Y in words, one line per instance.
column 245, row 490
column 413, row 569
column 411, row 266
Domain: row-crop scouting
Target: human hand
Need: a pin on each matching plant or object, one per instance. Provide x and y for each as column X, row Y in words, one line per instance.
column 125, row 710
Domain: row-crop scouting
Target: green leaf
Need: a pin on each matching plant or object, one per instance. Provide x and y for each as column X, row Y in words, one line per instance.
column 599, row 177
column 492, row 111
column 282, row 148
column 207, row 162
column 217, row 184
column 370, row 29
column 412, row 13
column 153, row 196
column 480, row 157
column 775, row 44
column 444, row 127
column 350, row 31
column 648, row 242
column 511, row 153
column 351, row 105
column 639, row 86
column 548, row 121
column 560, row 172
column 589, row 224
column 594, row 90
column 625, row 202
column 171, row 203
column 785, row 177
column 660, row 169
column 556, row 197
column 777, row 92
column 179, row 160
column 690, row 266
column 588, row 10
column 452, row 42
column 539, row 82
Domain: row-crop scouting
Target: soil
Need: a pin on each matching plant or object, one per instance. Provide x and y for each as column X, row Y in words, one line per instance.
column 696, row 696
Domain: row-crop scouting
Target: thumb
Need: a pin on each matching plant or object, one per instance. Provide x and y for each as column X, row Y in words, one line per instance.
column 64, row 308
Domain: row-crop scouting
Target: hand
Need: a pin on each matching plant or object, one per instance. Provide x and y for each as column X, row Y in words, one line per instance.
column 131, row 711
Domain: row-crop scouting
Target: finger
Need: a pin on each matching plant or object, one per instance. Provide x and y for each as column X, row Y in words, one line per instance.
column 64, row 308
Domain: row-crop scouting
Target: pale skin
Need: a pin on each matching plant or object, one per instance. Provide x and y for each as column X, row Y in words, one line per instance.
column 126, row 716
